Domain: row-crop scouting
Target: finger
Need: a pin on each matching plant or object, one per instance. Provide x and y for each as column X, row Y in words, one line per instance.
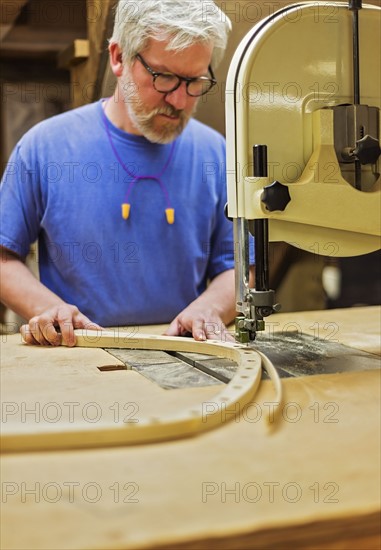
column 27, row 336
column 65, row 322
column 68, row 323
column 35, row 331
column 218, row 331
column 51, row 334
column 212, row 330
column 183, row 331
column 198, row 331
column 84, row 322
column 228, row 336
column 174, row 328
column 45, row 324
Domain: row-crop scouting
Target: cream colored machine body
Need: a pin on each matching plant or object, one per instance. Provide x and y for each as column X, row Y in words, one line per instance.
column 304, row 93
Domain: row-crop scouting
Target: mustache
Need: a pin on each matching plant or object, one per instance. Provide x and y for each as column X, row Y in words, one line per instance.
column 170, row 111
column 167, row 110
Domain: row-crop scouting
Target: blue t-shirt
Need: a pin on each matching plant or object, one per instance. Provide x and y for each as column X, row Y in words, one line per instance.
column 64, row 186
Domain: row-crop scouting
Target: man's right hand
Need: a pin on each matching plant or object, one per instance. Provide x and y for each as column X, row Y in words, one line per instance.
column 55, row 326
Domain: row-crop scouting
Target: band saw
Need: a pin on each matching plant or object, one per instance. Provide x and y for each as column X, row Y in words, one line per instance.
column 303, row 141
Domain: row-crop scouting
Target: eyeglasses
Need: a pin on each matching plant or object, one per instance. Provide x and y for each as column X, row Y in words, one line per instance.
column 169, row 82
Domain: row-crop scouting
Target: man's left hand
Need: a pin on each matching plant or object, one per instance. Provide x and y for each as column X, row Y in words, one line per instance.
column 200, row 323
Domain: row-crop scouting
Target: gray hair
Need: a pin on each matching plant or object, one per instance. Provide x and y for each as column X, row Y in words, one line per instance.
column 183, row 22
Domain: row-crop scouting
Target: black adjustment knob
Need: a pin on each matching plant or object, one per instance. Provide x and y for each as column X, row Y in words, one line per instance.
column 226, row 213
column 368, row 150
column 275, row 196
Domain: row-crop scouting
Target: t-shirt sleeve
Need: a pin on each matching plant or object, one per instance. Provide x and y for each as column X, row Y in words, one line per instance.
column 20, row 204
column 222, row 244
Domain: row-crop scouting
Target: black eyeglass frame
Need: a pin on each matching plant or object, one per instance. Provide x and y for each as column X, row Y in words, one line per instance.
column 187, row 80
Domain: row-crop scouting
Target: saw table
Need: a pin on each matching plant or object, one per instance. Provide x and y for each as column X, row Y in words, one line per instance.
column 311, row 481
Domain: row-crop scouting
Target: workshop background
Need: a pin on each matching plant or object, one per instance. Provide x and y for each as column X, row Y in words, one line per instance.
column 54, row 57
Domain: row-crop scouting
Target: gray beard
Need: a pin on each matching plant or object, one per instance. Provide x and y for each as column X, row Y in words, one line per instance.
column 143, row 120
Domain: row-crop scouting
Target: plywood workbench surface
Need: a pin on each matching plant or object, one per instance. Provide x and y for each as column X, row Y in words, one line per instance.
column 313, row 481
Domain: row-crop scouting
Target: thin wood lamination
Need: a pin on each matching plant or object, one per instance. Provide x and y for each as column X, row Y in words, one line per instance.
column 229, row 401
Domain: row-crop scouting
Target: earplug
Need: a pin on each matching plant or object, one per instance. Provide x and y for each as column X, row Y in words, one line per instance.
column 170, row 213
column 125, row 210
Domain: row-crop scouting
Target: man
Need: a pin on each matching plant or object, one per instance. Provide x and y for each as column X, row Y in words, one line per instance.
column 125, row 196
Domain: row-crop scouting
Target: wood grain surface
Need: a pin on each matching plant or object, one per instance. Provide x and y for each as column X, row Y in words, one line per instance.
column 312, row 482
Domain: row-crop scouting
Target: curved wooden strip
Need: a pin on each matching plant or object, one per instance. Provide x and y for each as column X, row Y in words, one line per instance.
column 233, row 397
column 274, row 377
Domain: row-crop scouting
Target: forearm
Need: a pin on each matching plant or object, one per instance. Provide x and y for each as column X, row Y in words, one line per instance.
column 207, row 316
column 220, row 294
column 20, row 291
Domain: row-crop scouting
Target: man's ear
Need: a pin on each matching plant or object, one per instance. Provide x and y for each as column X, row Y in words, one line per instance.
column 116, row 59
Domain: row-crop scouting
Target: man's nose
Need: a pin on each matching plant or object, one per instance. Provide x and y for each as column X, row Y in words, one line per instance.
column 178, row 98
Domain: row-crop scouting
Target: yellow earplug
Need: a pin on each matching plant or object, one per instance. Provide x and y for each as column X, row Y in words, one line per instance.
column 125, row 210
column 170, row 213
